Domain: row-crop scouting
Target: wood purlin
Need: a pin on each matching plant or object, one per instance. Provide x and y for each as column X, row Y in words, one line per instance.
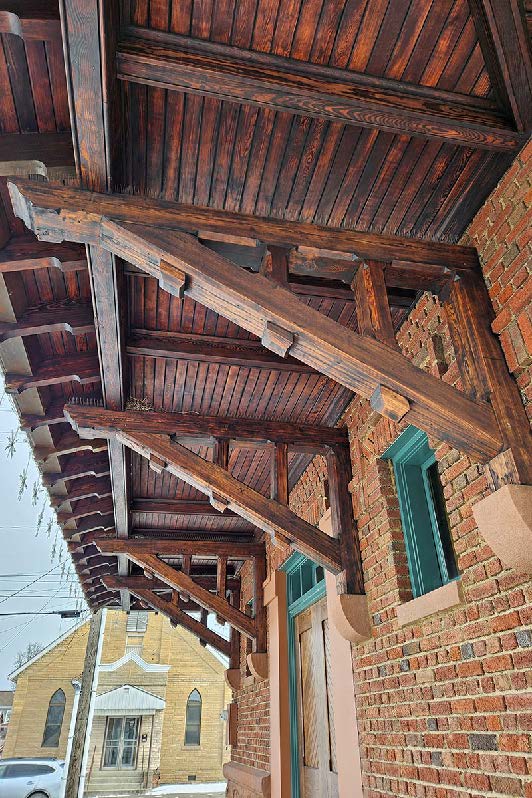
column 170, row 61
column 43, row 217
column 98, row 420
column 94, row 109
column 505, row 45
column 260, row 511
column 183, row 583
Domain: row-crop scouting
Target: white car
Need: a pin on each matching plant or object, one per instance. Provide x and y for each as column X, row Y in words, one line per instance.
column 38, row 778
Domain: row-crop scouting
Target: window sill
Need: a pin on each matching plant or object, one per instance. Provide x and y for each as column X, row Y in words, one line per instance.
column 445, row 597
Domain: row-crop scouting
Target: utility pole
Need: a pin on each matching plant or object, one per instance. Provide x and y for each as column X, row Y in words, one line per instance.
column 88, row 684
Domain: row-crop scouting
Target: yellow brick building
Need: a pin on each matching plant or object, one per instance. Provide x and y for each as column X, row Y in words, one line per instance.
column 158, row 716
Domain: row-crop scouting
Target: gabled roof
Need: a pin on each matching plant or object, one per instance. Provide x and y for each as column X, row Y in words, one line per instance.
column 16, row 673
column 126, row 700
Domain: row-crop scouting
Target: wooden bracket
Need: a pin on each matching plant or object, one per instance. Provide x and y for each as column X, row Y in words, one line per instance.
column 167, row 281
column 389, row 404
column 156, row 464
column 219, row 503
column 277, row 339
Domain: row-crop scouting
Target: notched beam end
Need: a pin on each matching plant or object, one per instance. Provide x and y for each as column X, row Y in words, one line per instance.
column 277, row 339
column 389, row 404
column 172, row 279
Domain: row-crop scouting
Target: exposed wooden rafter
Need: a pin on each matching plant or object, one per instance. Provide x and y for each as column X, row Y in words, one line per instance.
column 64, row 213
column 82, row 368
column 66, row 316
column 504, row 41
column 189, row 425
column 30, row 20
column 185, row 584
column 264, row 513
column 168, row 547
column 357, row 362
column 210, row 349
column 27, row 252
column 177, row 62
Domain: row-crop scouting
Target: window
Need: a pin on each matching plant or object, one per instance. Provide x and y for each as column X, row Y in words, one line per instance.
column 429, row 550
column 137, row 621
column 54, row 720
column 193, row 720
column 121, row 742
column 25, row 769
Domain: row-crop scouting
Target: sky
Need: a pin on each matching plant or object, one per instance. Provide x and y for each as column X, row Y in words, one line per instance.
column 27, row 553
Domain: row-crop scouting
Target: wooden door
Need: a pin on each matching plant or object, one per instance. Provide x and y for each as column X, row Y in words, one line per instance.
column 317, row 744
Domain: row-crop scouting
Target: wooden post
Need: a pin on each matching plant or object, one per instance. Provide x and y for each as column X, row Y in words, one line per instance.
column 279, row 483
column 344, row 526
column 485, row 376
column 372, row 307
column 259, row 577
column 221, row 581
column 81, row 730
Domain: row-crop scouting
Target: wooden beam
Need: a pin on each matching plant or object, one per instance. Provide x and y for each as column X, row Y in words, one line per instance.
column 53, row 415
column 179, row 617
column 82, row 368
column 221, row 582
column 50, row 149
column 96, row 108
column 190, row 424
column 176, row 62
column 69, row 443
column 84, row 465
column 84, row 507
column 279, row 489
column 373, row 311
column 485, row 372
column 344, row 526
column 140, row 582
column 183, row 583
column 30, row 20
column 210, row 349
column 63, row 316
column 322, row 283
column 90, row 524
column 250, row 301
column 503, row 39
column 260, row 643
column 264, row 513
column 83, row 489
column 25, row 252
column 64, row 212
column 146, row 504
column 167, row 547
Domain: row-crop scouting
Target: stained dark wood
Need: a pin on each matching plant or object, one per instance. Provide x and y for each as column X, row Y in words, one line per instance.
column 171, row 61
column 484, row 369
column 344, row 526
column 81, row 368
column 180, row 346
column 505, row 46
column 73, row 317
column 373, row 311
column 189, row 424
column 52, row 149
column 174, row 507
column 174, row 216
column 183, row 583
column 172, row 548
column 25, row 252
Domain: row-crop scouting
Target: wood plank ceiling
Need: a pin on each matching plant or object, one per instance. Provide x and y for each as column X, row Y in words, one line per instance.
column 200, row 149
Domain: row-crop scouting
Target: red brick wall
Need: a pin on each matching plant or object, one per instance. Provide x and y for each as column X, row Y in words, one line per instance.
column 443, row 708
column 502, row 233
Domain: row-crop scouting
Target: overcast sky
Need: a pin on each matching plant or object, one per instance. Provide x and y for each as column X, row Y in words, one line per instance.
column 25, row 556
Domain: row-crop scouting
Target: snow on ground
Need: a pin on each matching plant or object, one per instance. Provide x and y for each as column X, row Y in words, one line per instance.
column 217, row 788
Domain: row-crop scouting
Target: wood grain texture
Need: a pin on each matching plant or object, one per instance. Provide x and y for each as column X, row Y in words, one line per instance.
column 171, row 61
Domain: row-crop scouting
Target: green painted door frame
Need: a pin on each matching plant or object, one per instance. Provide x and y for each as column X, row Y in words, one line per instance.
column 305, row 586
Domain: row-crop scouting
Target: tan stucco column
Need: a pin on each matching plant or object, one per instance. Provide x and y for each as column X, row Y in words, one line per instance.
column 275, row 602
column 343, row 692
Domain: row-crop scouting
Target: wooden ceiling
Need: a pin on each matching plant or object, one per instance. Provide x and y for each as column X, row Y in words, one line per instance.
column 435, row 129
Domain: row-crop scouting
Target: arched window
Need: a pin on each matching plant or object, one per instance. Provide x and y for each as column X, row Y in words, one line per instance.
column 193, row 722
column 54, row 720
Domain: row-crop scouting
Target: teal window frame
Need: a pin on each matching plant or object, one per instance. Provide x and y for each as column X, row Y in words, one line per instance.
column 305, row 585
column 426, row 538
